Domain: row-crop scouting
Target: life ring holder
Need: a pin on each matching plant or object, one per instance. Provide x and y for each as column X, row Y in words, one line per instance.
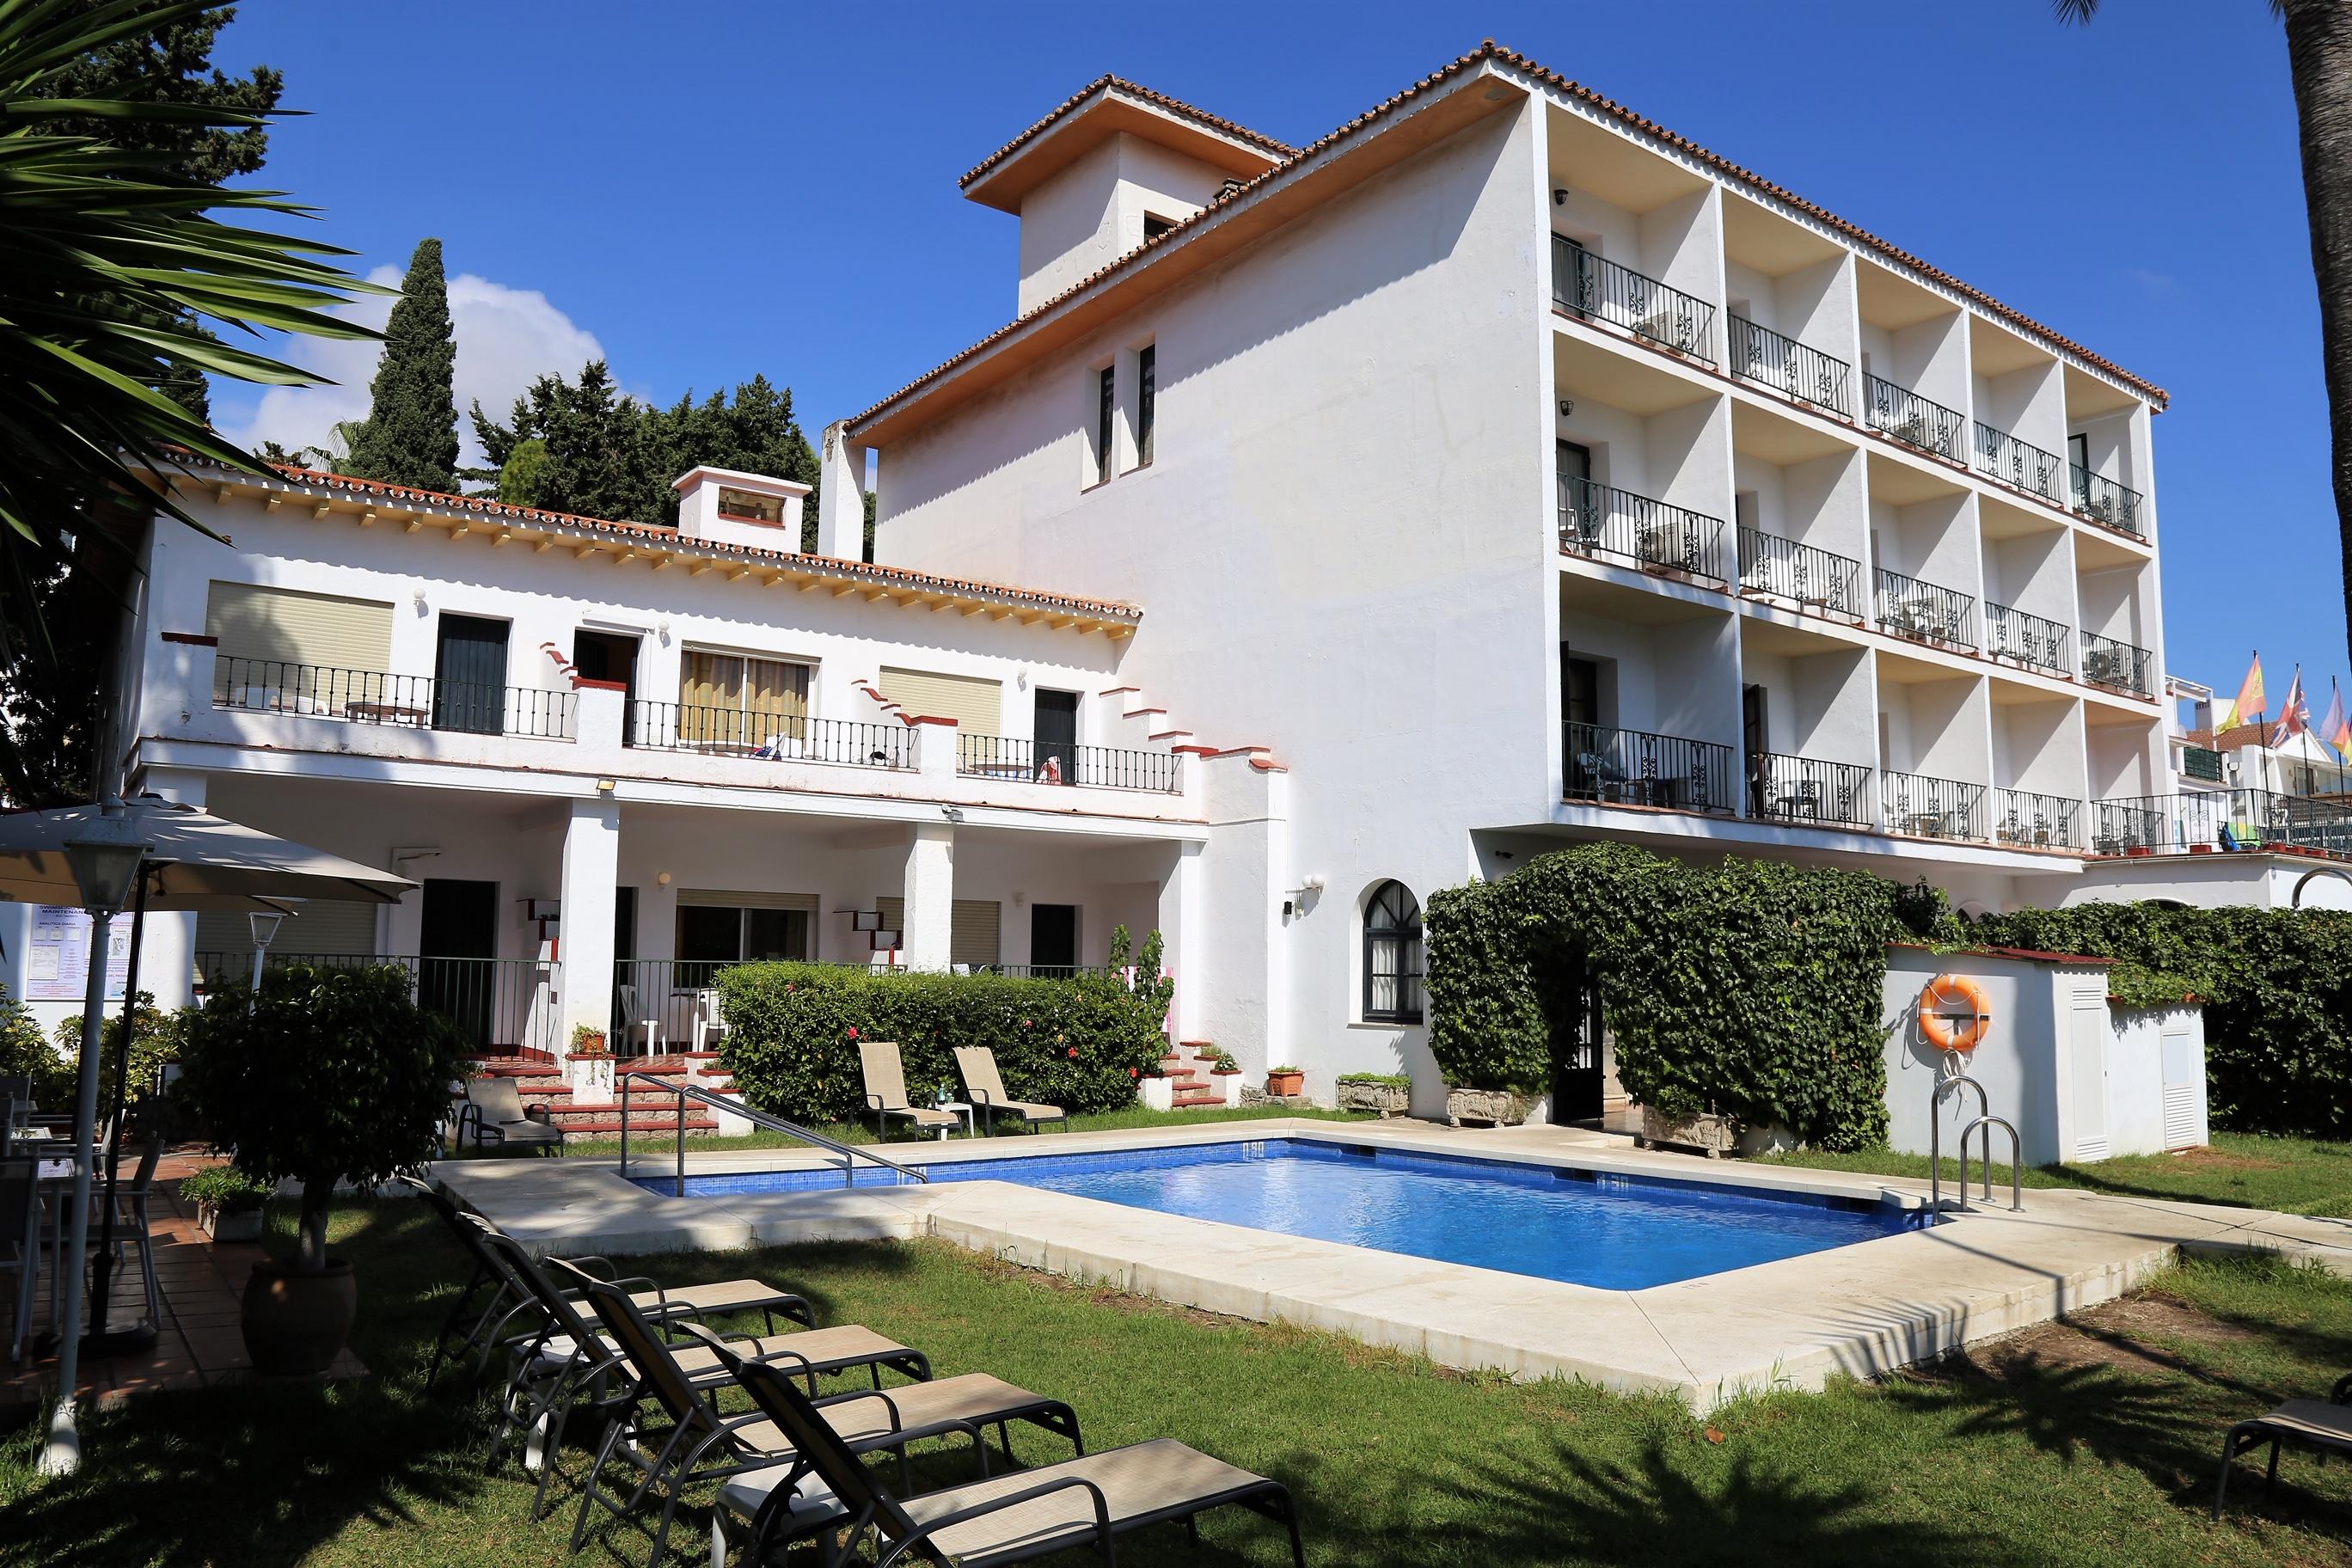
column 1954, row 1015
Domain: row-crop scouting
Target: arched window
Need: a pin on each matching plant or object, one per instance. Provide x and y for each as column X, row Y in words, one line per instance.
column 1391, row 956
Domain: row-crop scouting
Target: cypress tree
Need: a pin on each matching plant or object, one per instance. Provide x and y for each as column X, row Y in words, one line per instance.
column 410, row 435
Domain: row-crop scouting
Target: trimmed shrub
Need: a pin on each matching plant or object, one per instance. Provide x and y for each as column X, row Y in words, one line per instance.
column 1081, row 1043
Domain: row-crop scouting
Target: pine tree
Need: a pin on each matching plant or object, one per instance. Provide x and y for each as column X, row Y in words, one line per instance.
column 410, row 436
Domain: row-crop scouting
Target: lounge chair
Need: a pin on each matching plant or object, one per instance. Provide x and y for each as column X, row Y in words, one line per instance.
column 985, row 1088
column 1087, row 1501
column 886, row 1089
column 691, row 1441
column 495, row 1117
column 2306, row 1423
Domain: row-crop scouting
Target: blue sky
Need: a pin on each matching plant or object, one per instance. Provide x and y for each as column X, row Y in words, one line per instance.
column 699, row 191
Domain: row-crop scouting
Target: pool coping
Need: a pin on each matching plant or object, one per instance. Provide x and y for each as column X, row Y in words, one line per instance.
column 1864, row 1308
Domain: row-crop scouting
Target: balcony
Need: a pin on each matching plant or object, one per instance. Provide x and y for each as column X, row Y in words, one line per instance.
column 1604, row 522
column 2120, row 664
column 1633, row 767
column 1922, row 612
column 2222, row 820
column 2029, row 641
column 2105, row 502
column 766, row 737
column 1602, row 290
column 1931, row 807
column 1783, row 569
column 2000, row 456
column 1783, row 788
column 2028, row 821
column 1061, row 763
column 1912, row 420
column 1762, row 355
column 399, row 701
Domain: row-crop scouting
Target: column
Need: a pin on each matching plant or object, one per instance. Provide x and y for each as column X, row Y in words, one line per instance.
column 841, row 495
column 591, row 861
column 1182, row 940
column 167, row 951
column 931, row 896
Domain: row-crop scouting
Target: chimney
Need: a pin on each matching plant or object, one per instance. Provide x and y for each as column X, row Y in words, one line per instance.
column 729, row 507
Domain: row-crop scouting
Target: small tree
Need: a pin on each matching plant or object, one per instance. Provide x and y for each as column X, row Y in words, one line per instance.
column 327, row 1075
column 410, row 435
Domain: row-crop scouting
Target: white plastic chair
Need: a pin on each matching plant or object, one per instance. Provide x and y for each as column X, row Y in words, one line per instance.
column 708, row 1020
column 636, row 1025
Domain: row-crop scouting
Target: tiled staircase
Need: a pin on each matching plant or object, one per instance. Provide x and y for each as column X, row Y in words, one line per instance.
column 540, row 1081
column 1188, row 1069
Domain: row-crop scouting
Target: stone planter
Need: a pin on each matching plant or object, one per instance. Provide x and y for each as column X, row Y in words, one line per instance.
column 232, row 1224
column 1714, row 1136
column 591, row 1079
column 1157, row 1093
column 1494, row 1106
column 1229, row 1084
column 1383, row 1099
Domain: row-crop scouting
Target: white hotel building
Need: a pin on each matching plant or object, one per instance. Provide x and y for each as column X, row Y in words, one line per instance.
column 1499, row 471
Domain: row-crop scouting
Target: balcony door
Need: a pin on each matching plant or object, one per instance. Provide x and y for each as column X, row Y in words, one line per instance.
column 1752, row 736
column 469, row 676
column 1056, row 734
column 610, row 656
column 1572, row 469
column 456, row 965
column 1053, row 938
column 1576, row 1075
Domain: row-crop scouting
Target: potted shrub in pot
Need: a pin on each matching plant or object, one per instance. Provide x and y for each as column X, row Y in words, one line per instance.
column 1228, row 1076
column 323, row 1076
column 1385, row 1094
column 589, row 1067
column 228, row 1202
column 1280, row 1082
column 1155, row 1090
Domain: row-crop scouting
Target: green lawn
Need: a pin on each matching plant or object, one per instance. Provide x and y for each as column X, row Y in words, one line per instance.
column 1126, row 1119
column 2291, row 1175
column 2069, row 1448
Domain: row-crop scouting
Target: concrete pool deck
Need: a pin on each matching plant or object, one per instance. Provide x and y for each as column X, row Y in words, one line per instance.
column 1864, row 1309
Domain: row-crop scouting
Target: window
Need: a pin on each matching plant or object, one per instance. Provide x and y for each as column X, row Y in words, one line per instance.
column 732, row 699
column 743, row 506
column 1391, row 956
column 1154, row 225
column 1106, row 422
column 716, row 928
column 1147, row 388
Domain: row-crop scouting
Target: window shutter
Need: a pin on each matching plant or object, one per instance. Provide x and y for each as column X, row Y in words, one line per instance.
column 976, row 705
column 282, row 624
column 974, row 935
column 723, row 899
column 327, row 927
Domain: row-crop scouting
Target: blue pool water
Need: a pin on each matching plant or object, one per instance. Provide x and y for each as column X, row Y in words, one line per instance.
column 1619, row 1233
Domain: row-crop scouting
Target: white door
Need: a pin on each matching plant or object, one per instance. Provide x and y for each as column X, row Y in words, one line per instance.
column 2088, row 1101
column 2184, row 1123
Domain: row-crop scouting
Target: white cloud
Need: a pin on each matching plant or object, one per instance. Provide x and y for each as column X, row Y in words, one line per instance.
column 507, row 338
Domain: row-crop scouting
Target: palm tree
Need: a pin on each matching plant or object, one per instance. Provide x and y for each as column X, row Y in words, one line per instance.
column 112, row 268
column 2319, row 59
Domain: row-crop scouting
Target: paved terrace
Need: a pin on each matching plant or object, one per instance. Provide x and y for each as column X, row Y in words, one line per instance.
column 1862, row 1309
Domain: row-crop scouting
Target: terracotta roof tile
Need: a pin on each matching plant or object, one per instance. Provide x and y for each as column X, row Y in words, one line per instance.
column 1490, row 50
column 1107, row 83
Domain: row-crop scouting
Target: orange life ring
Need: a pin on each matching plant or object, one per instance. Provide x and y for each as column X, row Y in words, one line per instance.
column 1953, row 1013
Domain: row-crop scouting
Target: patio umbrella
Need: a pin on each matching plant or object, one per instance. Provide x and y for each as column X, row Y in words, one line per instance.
column 191, row 860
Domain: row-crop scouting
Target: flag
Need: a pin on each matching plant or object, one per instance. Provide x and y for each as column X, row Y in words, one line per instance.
column 2294, row 713
column 2336, row 728
column 2248, row 703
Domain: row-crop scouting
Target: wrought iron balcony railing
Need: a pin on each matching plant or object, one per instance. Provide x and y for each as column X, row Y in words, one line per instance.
column 1766, row 357
column 1784, row 569
column 1783, row 788
column 2028, row 640
column 399, row 701
column 1060, row 762
column 1605, row 521
column 1602, row 290
column 2033, row 821
column 767, row 737
column 2015, row 463
column 1633, row 767
column 2118, row 664
column 1932, row 807
column 1914, row 420
column 2105, row 501
column 2222, row 820
column 1926, row 612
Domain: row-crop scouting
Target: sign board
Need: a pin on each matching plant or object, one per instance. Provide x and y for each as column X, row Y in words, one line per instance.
column 57, row 961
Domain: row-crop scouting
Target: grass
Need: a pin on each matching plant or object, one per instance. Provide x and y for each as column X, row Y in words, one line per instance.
column 2290, row 1176
column 1126, row 1119
column 2093, row 1447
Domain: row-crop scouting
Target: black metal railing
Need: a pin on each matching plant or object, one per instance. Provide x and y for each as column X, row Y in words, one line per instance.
column 1931, row 807
column 1633, row 767
column 1914, row 420
column 1061, row 763
column 2103, row 501
column 2029, row 641
column 1924, row 613
column 401, row 702
column 2201, row 762
column 1788, row 570
column 1783, row 788
column 1602, row 521
column 1602, row 290
column 2033, row 821
column 768, row 737
column 1771, row 358
column 2019, row 464
column 2118, row 664
column 496, row 1004
column 2222, row 820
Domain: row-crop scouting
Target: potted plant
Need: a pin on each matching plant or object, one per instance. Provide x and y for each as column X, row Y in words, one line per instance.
column 1495, row 1107
column 228, row 1202
column 1281, row 1081
column 588, row 1069
column 323, row 1076
column 1384, row 1094
column 1156, row 1089
column 1228, row 1074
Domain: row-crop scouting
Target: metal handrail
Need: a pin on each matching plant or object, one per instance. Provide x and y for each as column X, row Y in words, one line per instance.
column 1984, row 1118
column 2016, row 1162
column 850, row 1153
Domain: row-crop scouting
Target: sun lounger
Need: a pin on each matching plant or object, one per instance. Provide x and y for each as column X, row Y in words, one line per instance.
column 985, row 1090
column 886, row 1089
column 2325, row 1426
column 494, row 1116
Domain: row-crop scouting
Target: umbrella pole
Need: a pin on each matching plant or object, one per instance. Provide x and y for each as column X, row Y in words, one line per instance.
column 62, row 1455
column 101, row 1340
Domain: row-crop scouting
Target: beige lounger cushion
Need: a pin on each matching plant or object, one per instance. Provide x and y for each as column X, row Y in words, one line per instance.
column 965, row 1398
column 850, row 1343
column 2313, row 1419
column 977, row 1064
column 1031, row 1109
column 885, row 1080
column 927, row 1115
column 724, row 1296
column 1141, row 1480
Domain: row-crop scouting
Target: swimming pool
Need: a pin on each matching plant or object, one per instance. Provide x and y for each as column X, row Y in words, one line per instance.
column 1582, row 1227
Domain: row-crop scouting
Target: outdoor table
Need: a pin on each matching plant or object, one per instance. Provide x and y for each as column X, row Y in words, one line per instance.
column 387, row 713
column 960, row 1107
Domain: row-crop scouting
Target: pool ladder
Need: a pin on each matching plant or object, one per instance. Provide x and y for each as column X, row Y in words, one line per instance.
column 1987, row 1120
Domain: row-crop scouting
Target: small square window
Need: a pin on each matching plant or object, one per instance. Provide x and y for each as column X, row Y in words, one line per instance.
column 1154, row 225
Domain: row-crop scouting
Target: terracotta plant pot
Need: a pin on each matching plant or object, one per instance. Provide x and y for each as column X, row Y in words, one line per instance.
column 294, row 1322
column 1280, row 1083
column 2137, row 850
column 2200, row 849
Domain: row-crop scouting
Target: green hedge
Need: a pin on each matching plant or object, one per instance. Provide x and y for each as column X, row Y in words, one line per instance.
column 793, row 1031
column 2277, row 987
column 1752, row 988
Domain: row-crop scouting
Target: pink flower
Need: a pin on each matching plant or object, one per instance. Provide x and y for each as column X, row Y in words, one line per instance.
column 1074, row 1053
column 1130, row 1072
column 1025, row 1023
column 853, row 1031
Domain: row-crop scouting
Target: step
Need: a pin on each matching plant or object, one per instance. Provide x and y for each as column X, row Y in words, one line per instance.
column 609, row 1126
column 1192, row 1101
column 639, row 1113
